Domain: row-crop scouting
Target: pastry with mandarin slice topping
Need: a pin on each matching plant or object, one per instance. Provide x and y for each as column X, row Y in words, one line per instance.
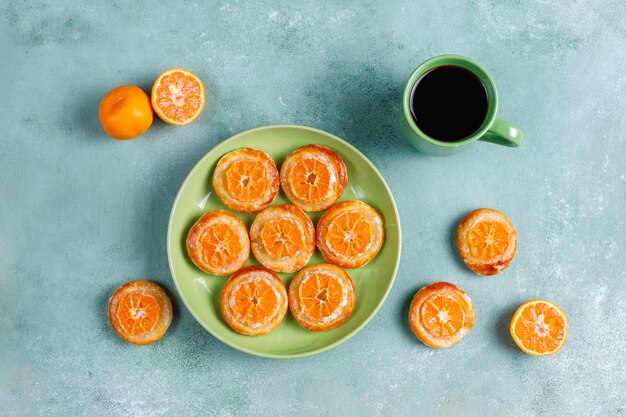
column 350, row 234
column 313, row 177
column 539, row 327
column 254, row 301
column 441, row 314
column 218, row 243
column 282, row 238
column 246, row 180
column 321, row 297
column 140, row 312
column 487, row 241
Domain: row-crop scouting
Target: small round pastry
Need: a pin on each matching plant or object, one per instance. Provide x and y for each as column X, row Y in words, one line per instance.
column 350, row 234
column 218, row 243
column 140, row 312
column 321, row 297
column 254, row 301
column 487, row 241
column 246, row 180
column 282, row 238
column 441, row 314
column 313, row 177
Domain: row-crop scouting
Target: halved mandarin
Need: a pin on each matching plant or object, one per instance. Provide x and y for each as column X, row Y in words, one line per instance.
column 178, row 96
column 487, row 241
column 539, row 327
column 441, row 314
column 254, row 301
column 246, row 180
column 313, row 177
column 282, row 238
column 321, row 297
column 350, row 234
column 140, row 312
column 218, row 243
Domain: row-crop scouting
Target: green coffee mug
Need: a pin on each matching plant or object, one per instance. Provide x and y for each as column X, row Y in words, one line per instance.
column 492, row 130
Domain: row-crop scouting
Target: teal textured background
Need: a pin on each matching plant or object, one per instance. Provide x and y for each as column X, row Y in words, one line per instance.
column 80, row 213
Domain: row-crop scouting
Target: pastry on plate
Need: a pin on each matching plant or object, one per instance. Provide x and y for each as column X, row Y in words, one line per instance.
column 350, row 234
column 313, row 177
column 246, row 180
column 441, row 314
column 487, row 241
column 218, row 243
column 321, row 297
column 140, row 312
column 282, row 238
column 254, row 301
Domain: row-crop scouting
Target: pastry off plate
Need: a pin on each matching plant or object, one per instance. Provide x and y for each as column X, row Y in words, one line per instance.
column 201, row 292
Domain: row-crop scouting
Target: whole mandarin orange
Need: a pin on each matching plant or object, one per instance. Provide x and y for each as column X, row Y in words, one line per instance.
column 125, row 112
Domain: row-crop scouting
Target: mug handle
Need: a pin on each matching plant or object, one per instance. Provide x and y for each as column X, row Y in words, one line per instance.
column 503, row 133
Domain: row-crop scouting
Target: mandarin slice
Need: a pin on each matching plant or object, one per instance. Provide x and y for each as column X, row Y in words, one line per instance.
column 350, row 234
column 313, row 177
column 321, row 297
column 246, row 180
column 254, row 301
column 282, row 238
column 218, row 243
column 539, row 327
column 178, row 96
column 441, row 314
column 140, row 312
column 312, row 180
column 487, row 241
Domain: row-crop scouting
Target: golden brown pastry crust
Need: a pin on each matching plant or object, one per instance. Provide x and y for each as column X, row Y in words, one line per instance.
column 336, row 168
column 307, row 235
column 369, row 215
column 415, row 311
column 194, row 246
column 147, row 288
column 338, row 315
column 477, row 264
column 227, row 300
column 269, row 172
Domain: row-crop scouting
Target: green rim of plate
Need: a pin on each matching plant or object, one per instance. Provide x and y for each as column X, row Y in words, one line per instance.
column 200, row 291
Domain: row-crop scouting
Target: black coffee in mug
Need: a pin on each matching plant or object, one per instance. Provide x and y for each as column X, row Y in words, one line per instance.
column 449, row 103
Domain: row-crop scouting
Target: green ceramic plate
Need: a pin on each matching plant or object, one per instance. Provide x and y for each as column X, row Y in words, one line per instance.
column 200, row 292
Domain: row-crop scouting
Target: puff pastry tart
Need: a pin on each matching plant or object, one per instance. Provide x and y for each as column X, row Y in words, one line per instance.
column 441, row 314
column 487, row 241
column 140, row 312
column 350, row 234
column 246, row 180
column 282, row 238
column 321, row 297
column 218, row 243
column 313, row 177
column 254, row 301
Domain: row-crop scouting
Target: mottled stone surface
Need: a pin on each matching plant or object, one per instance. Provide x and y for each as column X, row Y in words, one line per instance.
column 80, row 213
